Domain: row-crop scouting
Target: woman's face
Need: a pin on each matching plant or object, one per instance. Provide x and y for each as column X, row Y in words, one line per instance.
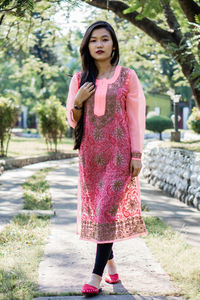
column 100, row 44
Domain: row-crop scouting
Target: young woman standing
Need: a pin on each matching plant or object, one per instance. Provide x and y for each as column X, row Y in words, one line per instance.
column 106, row 106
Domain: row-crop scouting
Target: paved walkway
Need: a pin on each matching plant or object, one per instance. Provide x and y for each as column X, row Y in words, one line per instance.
column 11, row 191
column 68, row 262
column 177, row 214
column 111, row 297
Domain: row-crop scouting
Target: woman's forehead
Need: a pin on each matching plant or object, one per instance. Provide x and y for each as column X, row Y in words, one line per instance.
column 100, row 32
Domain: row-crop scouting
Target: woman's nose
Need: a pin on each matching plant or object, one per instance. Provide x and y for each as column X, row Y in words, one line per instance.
column 99, row 43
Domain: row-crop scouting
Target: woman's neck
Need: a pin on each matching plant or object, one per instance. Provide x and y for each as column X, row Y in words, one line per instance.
column 105, row 70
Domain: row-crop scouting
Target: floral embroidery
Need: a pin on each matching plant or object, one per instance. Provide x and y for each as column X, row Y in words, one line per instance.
column 110, row 202
column 113, row 210
column 119, row 159
column 99, row 159
column 119, row 133
column 98, row 134
column 117, row 185
column 128, row 228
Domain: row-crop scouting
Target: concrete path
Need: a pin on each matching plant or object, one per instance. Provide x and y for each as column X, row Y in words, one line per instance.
column 68, row 261
column 177, row 214
column 112, row 297
column 11, row 191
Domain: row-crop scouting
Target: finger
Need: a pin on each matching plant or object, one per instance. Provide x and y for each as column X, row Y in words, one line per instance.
column 132, row 170
column 88, row 84
column 135, row 172
column 91, row 88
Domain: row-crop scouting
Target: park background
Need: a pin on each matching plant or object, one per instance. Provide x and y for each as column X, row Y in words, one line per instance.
column 39, row 52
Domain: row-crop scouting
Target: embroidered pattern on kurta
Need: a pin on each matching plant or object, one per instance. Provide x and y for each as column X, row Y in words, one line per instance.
column 110, row 201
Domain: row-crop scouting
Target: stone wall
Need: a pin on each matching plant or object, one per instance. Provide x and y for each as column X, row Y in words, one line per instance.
column 175, row 171
column 19, row 162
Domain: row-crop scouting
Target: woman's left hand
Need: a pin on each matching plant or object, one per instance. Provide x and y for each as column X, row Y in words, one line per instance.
column 135, row 167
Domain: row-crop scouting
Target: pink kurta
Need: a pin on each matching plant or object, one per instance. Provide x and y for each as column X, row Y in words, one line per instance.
column 114, row 124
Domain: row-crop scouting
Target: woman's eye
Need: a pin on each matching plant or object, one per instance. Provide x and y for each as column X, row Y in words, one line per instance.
column 105, row 40
column 92, row 41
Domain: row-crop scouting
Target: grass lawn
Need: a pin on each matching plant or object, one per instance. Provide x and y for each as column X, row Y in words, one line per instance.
column 189, row 145
column 21, row 249
column 21, row 146
column 36, row 191
column 24, row 146
column 22, row 242
column 162, row 101
column 180, row 260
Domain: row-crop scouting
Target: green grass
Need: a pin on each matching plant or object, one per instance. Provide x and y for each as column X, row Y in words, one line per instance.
column 22, row 242
column 188, row 145
column 161, row 101
column 21, row 249
column 21, row 146
column 180, row 260
column 36, row 191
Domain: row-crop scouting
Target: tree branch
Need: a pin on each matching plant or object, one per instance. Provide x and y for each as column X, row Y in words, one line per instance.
column 8, row 9
column 172, row 22
column 190, row 9
column 158, row 34
column 1, row 19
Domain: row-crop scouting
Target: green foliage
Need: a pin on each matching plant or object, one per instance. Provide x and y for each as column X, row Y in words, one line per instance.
column 8, row 117
column 145, row 8
column 52, row 123
column 17, row 7
column 158, row 124
column 194, row 120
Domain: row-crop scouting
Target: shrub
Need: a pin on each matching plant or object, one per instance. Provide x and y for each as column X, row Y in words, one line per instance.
column 193, row 121
column 52, row 121
column 158, row 124
column 8, row 117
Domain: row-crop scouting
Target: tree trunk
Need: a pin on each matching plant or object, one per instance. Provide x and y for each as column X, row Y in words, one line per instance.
column 166, row 38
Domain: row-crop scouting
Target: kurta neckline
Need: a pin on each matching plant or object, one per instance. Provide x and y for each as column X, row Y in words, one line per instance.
column 113, row 78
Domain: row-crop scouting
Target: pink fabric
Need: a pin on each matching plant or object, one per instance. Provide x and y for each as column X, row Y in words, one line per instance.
column 73, row 89
column 109, row 197
column 135, row 105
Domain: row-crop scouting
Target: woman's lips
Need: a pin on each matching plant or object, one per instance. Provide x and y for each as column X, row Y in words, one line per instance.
column 99, row 51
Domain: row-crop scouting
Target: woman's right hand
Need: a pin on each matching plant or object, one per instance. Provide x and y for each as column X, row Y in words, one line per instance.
column 85, row 91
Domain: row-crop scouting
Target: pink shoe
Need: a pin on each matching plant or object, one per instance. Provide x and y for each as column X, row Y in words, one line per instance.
column 89, row 290
column 112, row 278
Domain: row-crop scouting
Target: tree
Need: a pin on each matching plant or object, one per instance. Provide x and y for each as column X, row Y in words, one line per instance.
column 158, row 124
column 168, row 22
column 8, row 117
column 52, row 123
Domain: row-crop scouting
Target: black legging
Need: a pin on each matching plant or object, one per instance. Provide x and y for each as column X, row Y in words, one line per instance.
column 103, row 254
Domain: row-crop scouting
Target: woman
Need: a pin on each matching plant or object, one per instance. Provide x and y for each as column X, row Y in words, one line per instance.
column 106, row 106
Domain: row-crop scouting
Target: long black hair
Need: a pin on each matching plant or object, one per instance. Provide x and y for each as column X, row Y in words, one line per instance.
column 89, row 69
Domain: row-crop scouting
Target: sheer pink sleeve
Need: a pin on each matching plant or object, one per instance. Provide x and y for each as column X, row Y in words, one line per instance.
column 73, row 89
column 135, row 107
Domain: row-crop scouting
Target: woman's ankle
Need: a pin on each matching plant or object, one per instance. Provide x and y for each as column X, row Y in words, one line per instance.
column 95, row 280
column 112, row 268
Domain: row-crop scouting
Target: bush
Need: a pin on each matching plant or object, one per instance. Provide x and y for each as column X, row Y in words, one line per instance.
column 159, row 124
column 193, row 121
column 8, row 117
column 52, row 121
